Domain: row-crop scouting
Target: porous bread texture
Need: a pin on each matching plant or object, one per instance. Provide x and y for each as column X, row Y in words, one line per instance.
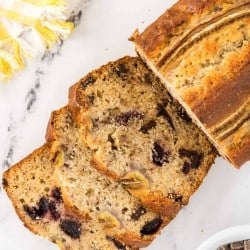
column 200, row 51
column 93, row 195
column 31, row 188
column 141, row 136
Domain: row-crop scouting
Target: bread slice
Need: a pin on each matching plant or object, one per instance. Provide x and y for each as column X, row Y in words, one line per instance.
column 140, row 135
column 200, row 50
column 93, row 195
column 39, row 204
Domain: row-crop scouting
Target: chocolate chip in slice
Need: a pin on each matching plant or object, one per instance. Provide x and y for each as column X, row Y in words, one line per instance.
column 138, row 213
column 57, row 194
column 38, row 211
column 43, row 207
column 151, row 227
column 90, row 80
column 121, row 70
column 124, row 118
column 112, row 141
column 183, row 115
column 163, row 113
column 148, row 126
column 195, row 157
column 90, row 99
column 31, row 212
column 53, row 210
column 159, row 155
column 71, row 228
column 186, row 168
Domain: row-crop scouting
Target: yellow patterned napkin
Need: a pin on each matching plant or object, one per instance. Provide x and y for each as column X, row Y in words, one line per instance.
column 28, row 27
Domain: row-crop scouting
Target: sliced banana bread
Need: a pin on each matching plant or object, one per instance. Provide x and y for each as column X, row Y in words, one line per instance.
column 40, row 206
column 201, row 52
column 140, row 135
column 93, row 195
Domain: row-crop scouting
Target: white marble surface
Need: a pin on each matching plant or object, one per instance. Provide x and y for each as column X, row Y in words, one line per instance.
column 26, row 102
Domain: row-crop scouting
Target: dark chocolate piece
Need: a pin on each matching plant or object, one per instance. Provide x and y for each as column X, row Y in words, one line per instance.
column 194, row 157
column 138, row 213
column 71, row 228
column 159, row 154
column 162, row 112
column 125, row 117
column 151, row 227
column 146, row 127
column 121, row 70
column 90, row 80
column 57, row 194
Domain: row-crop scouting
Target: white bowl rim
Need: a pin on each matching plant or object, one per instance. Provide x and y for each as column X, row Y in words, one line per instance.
column 236, row 233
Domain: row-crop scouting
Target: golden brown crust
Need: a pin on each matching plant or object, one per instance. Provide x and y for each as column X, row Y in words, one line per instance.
column 207, row 73
column 216, row 107
column 241, row 154
column 185, row 15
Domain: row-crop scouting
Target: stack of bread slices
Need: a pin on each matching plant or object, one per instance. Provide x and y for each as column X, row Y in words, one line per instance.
column 120, row 160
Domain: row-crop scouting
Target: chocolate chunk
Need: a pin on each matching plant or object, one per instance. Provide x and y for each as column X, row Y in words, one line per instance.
column 38, row 211
column 43, row 207
column 146, row 127
column 71, row 228
column 159, row 154
column 53, row 210
column 125, row 117
column 31, row 212
column 183, row 115
column 162, row 112
column 138, row 213
column 151, row 227
column 112, row 141
column 91, row 99
column 194, row 157
column 124, row 210
column 121, row 71
column 90, row 80
column 57, row 194
column 118, row 244
column 175, row 197
column 186, row 167
column 4, row 182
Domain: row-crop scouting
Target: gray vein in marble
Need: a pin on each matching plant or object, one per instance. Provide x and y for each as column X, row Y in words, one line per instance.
column 31, row 96
column 10, row 152
column 75, row 17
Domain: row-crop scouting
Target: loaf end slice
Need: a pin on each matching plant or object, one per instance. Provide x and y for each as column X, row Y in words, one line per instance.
column 200, row 51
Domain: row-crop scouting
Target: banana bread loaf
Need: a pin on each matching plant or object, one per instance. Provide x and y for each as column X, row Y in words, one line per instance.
column 200, row 50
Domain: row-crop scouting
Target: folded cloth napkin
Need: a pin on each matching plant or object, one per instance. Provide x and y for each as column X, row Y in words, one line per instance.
column 28, row 27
